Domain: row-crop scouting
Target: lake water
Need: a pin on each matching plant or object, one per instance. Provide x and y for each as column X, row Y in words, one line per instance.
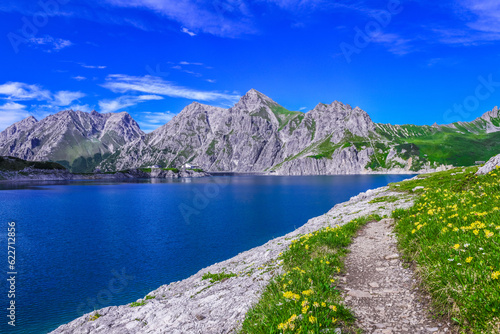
column 82, row 246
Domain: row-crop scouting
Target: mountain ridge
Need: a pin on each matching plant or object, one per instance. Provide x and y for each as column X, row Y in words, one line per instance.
column 258, row 135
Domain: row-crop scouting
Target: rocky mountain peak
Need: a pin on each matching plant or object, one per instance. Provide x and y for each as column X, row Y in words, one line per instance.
column 494, row 113
column 30, row 119
column 22, row 125
column 335, row 106
column 254, row 100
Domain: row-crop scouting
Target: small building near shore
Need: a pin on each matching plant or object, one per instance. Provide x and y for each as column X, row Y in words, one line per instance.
column 190, row 166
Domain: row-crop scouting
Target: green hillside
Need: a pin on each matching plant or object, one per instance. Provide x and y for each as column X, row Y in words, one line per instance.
column 16, row 164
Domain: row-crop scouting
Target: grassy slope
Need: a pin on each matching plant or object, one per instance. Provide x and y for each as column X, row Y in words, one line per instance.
column 452, row 234
column 305, row 298
column 460, row 146
column 458, row 149
column 16, row 164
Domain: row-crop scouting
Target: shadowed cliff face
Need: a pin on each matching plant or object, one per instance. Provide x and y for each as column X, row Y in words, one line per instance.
column 255, row 135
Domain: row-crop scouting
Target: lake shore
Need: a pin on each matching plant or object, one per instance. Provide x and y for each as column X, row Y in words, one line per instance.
column 195, row 305
column 33, row 174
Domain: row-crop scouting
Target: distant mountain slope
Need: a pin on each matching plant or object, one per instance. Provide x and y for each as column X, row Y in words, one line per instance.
column 458, row 144
column 77, row 140
column 255, row 135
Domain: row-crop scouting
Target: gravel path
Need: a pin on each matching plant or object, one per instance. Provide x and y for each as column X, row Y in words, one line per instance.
column 380, row 291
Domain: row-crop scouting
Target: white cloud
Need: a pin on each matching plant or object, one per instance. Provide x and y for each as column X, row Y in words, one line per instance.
column 99, row 67
column 394, row 43
column 211, row 80
column 158, row 117
column 480, row 23
column 10, row 113
column 64, row 98
column 188, row 63
column 487, row 15
column 81, row 107
column 49, row 43
column 152, row 120
column 79, row 78
column 187, row 31
column 227, row 18
column 125, row 101
column 121, row 83
column 20, row 91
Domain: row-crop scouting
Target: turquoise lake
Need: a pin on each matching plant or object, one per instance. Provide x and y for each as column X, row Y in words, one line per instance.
column 85, row 245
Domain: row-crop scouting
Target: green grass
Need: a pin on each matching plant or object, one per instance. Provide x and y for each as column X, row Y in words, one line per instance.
column 217, row 277
column 460, row 146
column 145, row 170
column 452, row 234
column 325, row 149
column 175, row 170
column 457, row 149
column 211, row 147
column 388, row 199
column 198, row 170
column 137, row 304
column 148, row 297
column 306, row 298
column 285, row 116
column 95, row 316
column 16, row 164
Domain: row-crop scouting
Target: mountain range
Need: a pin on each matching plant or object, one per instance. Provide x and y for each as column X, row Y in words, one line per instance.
column 255, row 135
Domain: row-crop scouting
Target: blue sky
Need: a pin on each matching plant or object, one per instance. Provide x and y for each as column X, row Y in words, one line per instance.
column 414, row 62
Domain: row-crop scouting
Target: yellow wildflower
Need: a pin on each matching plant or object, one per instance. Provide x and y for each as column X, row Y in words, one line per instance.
column 307, row 292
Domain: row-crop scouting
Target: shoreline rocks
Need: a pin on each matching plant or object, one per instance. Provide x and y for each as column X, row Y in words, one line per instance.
column 33, row 174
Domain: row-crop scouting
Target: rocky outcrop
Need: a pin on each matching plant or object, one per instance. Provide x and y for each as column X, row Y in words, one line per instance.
column 30, row 173
column 491, row 165
column 344, row 161
column 194, row 305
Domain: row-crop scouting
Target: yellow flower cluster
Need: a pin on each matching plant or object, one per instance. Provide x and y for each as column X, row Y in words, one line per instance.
column 289, row 324
column 291, row 295
column 307, row 292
